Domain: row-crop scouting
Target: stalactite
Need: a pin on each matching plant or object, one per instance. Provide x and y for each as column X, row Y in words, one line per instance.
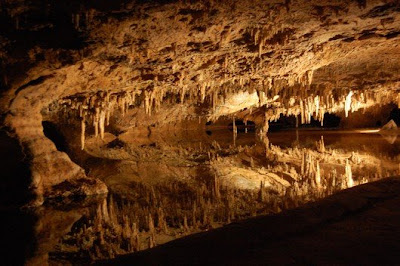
column 146, row 102
column 182, row 95
column 234, row 128
column 102, row 118
column 302, row 120
column 202, row 92
column 214, row 100
column 97, row 108
column 322, row 116
column 316, row 103
column 309, row 75
column 347, row 105
column 96, row 122
column 83, row 128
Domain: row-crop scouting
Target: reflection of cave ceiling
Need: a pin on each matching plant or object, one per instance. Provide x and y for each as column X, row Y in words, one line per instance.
column 292, row 56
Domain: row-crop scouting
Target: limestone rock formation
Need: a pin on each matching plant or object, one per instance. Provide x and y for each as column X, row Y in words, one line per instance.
column 390, row 126
column 101, row 64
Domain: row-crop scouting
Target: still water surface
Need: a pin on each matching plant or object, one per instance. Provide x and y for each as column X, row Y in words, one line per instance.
column 164, row 187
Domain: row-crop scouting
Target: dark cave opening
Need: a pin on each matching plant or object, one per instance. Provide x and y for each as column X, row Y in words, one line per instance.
column 395, row 115
column 15, row 178
column 51, row 132
column 331, row 121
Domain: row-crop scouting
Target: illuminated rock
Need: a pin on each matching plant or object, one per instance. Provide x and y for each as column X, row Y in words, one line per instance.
column 104, row 69
column 390, row 126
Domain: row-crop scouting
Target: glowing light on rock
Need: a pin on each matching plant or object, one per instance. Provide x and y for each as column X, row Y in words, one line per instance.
column 347, row 105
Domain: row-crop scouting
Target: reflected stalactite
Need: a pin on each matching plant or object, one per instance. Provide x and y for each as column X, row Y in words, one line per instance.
column 321, row 145
column 318, row 175
column 349, row 175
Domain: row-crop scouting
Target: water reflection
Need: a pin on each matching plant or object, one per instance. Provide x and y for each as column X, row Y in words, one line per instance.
column 164, row 187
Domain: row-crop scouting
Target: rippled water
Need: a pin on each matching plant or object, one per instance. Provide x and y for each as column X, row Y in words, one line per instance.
column 163, row 187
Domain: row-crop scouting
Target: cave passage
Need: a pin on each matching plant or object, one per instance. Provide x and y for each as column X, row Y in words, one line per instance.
column 129, row 124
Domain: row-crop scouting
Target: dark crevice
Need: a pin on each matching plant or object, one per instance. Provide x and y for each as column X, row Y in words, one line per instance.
column 381, row 11
column 34, row 82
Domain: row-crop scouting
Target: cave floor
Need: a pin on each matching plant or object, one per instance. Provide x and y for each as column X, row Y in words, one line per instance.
column 360, row 225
